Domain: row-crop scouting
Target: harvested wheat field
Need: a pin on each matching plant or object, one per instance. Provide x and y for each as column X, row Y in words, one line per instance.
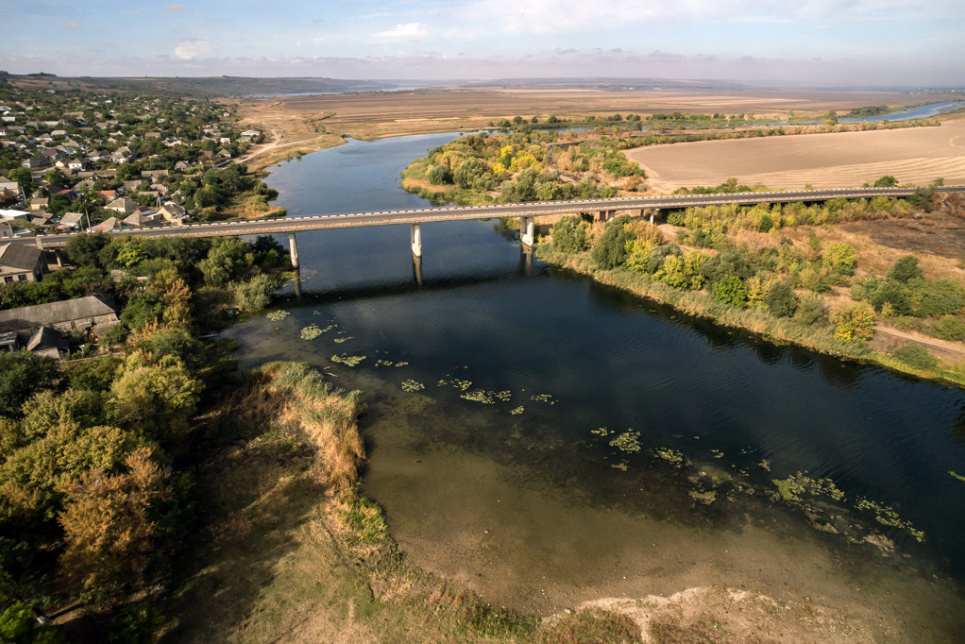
column 839, row 160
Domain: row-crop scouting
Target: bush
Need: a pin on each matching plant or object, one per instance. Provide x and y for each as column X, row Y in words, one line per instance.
column 854, row 322
column 812, row 310
column 950, row 328
column 905, row 269
column 730, row 290
column 781, row 300
column 840, row 258
column 610, row 250
column 915, row 355
column 570, row 235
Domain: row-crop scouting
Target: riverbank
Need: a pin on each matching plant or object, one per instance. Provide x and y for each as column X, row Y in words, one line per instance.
column 757, row 321
column 291, row 549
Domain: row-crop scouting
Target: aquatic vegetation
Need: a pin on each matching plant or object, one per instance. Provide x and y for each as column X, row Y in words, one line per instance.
column 716, row 453
column 670, row 455
column 277, row 316
column 347, row 360
column 311, row 332
column 706, row 498
column 545, row 398
column 887, row 515
column 794, row 487
column 480, row 396
column 957, row 476
column 516, row 411
column 341, row 340
column 456, row 383
column 412, row 385
column 628, row 441
column 603, row 431
column 765, row 465
column 389, row 363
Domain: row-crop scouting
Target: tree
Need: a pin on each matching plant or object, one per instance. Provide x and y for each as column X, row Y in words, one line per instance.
column 781, row 300
column 840, row 258
column 22, row 374
column 610, row 250
column 905, row 269
column 886, row 181
column 570, row 234
column 158, row 398
column 108, row 531
column 730, row 289
column 854, row 322
column 84, row 249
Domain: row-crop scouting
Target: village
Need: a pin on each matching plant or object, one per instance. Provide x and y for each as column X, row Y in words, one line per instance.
column 76, row 161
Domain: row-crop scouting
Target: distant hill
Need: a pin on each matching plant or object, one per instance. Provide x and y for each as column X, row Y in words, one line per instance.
column 203, row 87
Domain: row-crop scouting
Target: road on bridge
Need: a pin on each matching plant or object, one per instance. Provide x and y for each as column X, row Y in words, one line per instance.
column 456, row 213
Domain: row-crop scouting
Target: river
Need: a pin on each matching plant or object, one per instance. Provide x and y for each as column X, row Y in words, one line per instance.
column 544, row 440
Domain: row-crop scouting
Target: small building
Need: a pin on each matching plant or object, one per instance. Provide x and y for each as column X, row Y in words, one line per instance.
column 122, row 206
column 90, row 314
column 109, row 224
column 71, row 221
column 144, row 218
column 173, row 213
column 21, row 263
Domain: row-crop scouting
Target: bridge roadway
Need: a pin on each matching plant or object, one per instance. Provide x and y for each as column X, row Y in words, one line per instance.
column 604, row 207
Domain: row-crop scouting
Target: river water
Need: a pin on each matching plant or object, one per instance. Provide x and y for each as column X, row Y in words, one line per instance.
column 545, row 441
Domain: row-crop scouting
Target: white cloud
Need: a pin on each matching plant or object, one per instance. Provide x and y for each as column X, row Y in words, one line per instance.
column 402, row 33
column 192, row 48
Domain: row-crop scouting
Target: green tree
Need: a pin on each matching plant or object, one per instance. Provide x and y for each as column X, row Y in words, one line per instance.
column 781, row 300
column 886, row 181
column 730, row 289
column 22, row 374
column 158, row 398
column 84, row 249
column 570, row 234
column 840, row 258
column 610, row 251
column 905, row 269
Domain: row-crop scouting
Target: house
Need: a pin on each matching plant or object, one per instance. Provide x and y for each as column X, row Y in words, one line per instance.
column 173, row 213
column 48, row 342
column 71, row 221
column 36, row 162
column 90, row 315
column 10, row 190
column 21, row 263
column 144, row 218
column 122, row 206
column 109, row 224
column 39, row 203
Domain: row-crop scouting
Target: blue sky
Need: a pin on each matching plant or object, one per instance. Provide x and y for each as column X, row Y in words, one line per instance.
column 867, row 42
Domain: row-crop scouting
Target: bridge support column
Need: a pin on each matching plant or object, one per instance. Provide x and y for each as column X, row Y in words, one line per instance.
column 293, row 247
column 527, row 233
column 652, row 215
column 415, row 240
column 417, row 269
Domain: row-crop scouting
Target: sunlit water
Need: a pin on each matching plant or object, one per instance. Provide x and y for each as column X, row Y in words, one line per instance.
column 493, row 468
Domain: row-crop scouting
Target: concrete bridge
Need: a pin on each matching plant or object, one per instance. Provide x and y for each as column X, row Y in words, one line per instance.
column 603, row 209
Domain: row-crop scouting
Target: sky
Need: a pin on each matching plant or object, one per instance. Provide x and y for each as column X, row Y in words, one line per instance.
column 815, row 42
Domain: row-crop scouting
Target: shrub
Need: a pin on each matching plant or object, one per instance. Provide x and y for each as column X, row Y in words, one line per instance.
column 950, row 328
column 915, row 355
column 570, row 235
column 905, row 269
column 730, row 290
column 840, row 258
column 781, row 300
column 812, row 310
column 854, row 322
column 610, row 250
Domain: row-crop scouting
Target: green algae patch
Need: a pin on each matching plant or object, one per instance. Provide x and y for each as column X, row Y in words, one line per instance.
column 888, row 516
column 347, row 360
column 671, row 456
column 956, row 476
column 627, row 442
column 411, row 385
column 517, row 411
column 277, row 316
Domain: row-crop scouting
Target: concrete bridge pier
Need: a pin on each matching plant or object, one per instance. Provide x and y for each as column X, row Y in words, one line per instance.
column 417, row 269
column 527, row 233
column 298, row 282
column 415, row 240
column 526, row 264
column 293, row 247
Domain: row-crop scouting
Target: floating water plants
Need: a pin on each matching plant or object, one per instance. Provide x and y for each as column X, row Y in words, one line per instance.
column 347, row 360
column 516, row 411
column 277, row 316
column 311, row 332
column 411, row 385
column 628, row 442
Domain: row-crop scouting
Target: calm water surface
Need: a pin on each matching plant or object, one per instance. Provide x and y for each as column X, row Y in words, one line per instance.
column 492, row 472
